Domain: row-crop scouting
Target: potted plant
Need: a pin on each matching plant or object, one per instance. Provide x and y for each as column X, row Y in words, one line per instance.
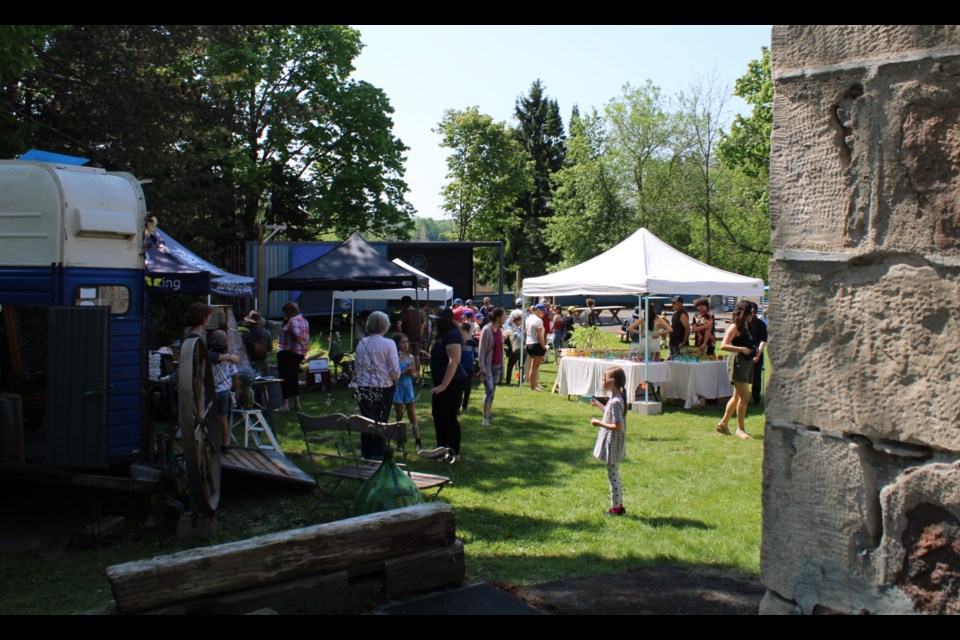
column 584, row 339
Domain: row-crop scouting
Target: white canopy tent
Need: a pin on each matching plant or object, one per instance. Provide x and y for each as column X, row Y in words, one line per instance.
column 436, row 291
column 640, row 265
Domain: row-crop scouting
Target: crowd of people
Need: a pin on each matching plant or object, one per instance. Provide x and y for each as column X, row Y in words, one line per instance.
column 464, row 340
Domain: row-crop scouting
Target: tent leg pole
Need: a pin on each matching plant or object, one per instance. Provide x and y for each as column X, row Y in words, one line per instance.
column 646, row 347
column 330, row 336
column 501, row 275
column 523, row 343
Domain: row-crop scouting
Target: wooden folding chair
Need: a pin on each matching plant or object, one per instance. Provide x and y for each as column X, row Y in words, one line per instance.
column 344, row 431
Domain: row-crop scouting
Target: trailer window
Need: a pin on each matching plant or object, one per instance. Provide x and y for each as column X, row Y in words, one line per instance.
column 115, row 296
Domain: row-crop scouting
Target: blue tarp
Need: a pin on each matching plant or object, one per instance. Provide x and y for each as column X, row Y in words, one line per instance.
column 54, row 158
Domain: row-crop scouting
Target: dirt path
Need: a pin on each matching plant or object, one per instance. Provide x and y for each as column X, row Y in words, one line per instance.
column 660, row 590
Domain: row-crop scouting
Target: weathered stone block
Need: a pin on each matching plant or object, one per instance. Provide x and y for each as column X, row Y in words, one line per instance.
column 822, row 523
column 927, row 177
column 867, row 161
column 867, row 348
column 920, row 549
column 805, row 46
column 815, row 510
column 811, row 187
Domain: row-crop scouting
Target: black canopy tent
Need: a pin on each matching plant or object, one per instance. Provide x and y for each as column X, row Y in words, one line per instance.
column 352, row 265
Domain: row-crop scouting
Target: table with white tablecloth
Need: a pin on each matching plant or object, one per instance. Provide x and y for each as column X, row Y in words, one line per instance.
column 692, row 380
column 584, row 376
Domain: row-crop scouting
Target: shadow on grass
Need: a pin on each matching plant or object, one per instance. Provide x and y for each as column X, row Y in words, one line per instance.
column 676, row 523
column 488, row 524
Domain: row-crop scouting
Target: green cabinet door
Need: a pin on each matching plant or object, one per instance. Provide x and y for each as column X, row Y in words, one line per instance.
column 77, row 387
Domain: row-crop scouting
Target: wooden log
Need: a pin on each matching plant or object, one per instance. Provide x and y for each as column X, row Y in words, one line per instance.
column 322, row 594
column 425, row 570
column 282, row 556
column 356, row 589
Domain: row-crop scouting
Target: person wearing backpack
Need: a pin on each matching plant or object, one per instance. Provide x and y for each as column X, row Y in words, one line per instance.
column 258, row 342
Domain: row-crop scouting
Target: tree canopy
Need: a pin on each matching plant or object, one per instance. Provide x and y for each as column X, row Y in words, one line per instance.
column 592, row 213
column 747, row 146
column 668, row 165
column 232, row 125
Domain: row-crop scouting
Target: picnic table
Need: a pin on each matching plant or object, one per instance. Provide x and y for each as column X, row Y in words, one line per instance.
column 614, row 311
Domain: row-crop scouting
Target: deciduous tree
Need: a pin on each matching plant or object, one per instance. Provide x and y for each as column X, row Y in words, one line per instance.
column 747, row 146
column 314, row 147
column 486, row 170
column 648, row 145
column 232, row 125
column 591, row 210
column 704, row 112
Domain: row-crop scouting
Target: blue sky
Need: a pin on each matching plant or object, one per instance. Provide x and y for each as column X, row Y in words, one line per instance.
column 427, row 69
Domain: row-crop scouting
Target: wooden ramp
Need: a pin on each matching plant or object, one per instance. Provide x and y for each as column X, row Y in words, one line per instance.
column 264, row 463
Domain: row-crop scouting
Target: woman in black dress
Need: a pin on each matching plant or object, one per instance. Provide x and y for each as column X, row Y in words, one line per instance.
column 448, row 380
column 739, row 342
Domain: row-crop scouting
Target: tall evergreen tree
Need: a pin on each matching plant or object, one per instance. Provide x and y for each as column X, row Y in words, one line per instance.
column 539, row 131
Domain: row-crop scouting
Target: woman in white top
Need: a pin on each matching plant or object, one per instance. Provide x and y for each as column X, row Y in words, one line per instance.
column 376, row 370
column 536, row 343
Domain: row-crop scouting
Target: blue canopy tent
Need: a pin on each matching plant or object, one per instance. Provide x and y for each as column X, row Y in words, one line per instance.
column 172, row 268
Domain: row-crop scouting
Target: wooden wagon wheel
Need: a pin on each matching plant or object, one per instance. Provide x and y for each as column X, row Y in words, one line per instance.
column 199, row 427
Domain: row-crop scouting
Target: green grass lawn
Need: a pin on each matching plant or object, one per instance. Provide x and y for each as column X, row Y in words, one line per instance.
column 528, row 496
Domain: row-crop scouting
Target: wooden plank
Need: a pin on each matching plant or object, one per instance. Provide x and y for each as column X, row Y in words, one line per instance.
column 246, row 459
column 258, row 461
column 425, row 570
column 428, row 480
column 282, row 556
column 263, row 463
column 351, row 472
column 287, row 467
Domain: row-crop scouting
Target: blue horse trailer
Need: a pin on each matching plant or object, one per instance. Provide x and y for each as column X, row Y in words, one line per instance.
column 72, row 300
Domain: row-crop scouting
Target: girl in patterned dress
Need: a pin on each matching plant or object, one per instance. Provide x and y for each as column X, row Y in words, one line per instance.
column 612, row 439
column 404, row 395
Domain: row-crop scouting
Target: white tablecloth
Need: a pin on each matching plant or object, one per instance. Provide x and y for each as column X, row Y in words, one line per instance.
column 584, row 376
column 703, row 379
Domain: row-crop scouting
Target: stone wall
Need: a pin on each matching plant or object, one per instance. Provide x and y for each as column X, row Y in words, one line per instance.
column 861, row 482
